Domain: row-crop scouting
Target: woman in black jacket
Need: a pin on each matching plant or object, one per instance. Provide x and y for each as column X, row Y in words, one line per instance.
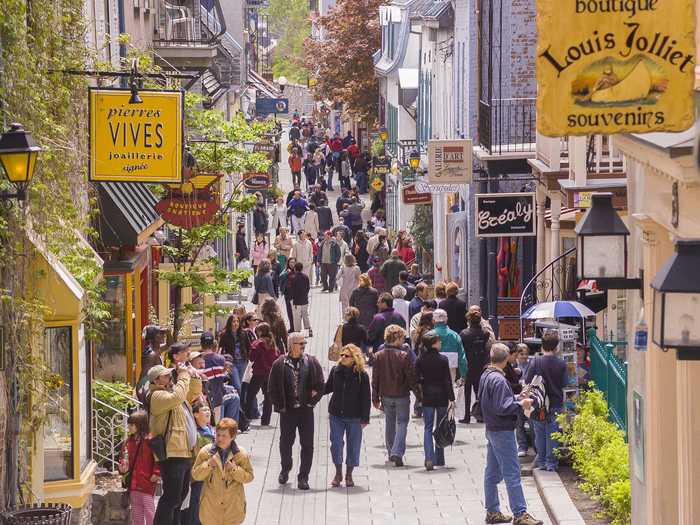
column 359, row 250
column 433, row 375
column 365, row 298
column 348, row 384
column 242, row 251
column 353, row 333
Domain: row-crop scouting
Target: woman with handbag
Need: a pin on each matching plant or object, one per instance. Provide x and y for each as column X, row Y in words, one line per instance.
column 348, row 384
column 140, row 470
column 433, row 376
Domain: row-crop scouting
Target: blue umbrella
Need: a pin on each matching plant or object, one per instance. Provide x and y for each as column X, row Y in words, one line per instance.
column 557, row 310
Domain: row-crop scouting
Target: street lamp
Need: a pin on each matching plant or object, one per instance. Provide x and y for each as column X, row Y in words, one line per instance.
column 676, row 319
column 383, row 134
column 282, row 83
column 18, row 154
column 601, row 253
column 414, row 160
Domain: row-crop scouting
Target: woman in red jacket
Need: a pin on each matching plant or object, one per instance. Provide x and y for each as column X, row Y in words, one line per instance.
column 140, row 467
column 262, row 354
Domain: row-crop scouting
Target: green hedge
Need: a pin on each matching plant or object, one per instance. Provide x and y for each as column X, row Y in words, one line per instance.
column 600, row 455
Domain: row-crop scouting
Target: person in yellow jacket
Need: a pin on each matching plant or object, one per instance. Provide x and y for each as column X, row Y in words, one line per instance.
column 171, row 417
column 224, row 468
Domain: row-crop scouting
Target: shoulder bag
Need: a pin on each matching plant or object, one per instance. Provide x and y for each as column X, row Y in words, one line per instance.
column 446, row 430
column 158, row 443
column 126, row 479
column 334, row 349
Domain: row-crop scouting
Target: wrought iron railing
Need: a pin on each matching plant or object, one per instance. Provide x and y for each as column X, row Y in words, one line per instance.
column 609, row 374
column 180, row 23
column 507, row 125
column 109, row 428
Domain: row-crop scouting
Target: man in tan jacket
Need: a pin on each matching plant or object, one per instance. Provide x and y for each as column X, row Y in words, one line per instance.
column 171, row 417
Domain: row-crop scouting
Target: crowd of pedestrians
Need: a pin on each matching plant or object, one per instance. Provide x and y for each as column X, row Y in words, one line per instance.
column 402, row 341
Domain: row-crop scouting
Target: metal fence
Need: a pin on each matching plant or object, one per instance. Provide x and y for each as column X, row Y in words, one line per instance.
column 507, row 125
column 109, row 428
column 609, row 374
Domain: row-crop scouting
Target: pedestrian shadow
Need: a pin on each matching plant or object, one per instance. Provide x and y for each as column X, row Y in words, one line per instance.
column 437, row 471
column 291, row 491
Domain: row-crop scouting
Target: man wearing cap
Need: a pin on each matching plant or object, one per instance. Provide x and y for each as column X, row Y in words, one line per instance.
column 214, row 373
column 329, row 254
column 296, row 384
column 171, row 417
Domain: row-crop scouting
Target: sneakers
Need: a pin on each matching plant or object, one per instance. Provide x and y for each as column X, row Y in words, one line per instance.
column 522, row 453
column 283, row 477
column 498, row 517
column 428, row 465
column 397, row 460
column 526, row 519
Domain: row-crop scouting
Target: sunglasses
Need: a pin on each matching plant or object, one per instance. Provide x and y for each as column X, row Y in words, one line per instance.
column 345, row 355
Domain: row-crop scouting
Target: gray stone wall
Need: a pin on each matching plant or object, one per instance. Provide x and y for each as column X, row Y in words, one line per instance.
column 110, row 507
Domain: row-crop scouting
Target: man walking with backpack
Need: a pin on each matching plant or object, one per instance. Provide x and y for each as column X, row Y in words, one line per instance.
column 553, row 372
column 477, row 343
column 297, row 208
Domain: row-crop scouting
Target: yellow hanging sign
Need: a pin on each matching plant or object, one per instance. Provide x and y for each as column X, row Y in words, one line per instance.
column 140, row 142
column 615, row 66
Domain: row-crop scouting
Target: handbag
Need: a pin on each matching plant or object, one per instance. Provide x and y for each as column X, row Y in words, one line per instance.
column 158, row 444
column 334, row 349
column 446, row 430
column 126, row 479
column 254, row 300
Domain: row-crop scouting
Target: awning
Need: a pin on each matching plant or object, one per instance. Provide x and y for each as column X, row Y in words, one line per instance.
column 127, row 213
column 266, row 88
column 408, row 78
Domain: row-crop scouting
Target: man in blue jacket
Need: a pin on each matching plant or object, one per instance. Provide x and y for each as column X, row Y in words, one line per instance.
column 500, row 409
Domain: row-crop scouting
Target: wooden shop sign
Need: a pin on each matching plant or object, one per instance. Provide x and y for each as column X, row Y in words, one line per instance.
column 615, row 66
column 257, row 181
column 187, row 212
column 136, row 142
column 505, row 215
column 412, row 196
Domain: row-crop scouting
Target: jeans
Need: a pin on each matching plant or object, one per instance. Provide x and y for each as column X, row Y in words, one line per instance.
column 290, row 313
column 502, row 464
column 256, row 384
column 396, row 414
column 431, row 418
column 521, row 434
column 231, row 407
column 175, row 473
column 544, row 443
column 352, row 428
column 361, row 178
column 239, row 366
column 190, row 516
column 301, row 419
column 328, row 273
column 296, row 178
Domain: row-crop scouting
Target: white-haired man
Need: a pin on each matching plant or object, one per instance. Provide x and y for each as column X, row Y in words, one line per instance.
column 451, row 344
column 296, row 384
column 500, row 408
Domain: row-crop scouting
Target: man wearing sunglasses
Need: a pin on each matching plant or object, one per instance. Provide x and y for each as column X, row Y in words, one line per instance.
column 296, row 384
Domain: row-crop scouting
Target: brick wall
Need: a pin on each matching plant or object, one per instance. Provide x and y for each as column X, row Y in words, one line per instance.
column 523, row 43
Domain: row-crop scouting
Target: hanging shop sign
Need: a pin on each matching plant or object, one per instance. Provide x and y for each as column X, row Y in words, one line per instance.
column 615, row 66
column 187, row 212
column 268, row 148
column 505, row 215
column 136, row 142
column 381, row 165
column 424, row 187
column 412, row 196
column 267, row 106
column 257, row 181
column 450, row 161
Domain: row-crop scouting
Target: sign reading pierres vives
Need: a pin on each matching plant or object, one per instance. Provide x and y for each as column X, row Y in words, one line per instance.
column 136, row 142
column 615, row 66
column 505, row 214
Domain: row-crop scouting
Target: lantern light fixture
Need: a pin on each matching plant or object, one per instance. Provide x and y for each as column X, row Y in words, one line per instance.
column 676, row 305
column 18, row 155
column 383, row 134
column 414, row 159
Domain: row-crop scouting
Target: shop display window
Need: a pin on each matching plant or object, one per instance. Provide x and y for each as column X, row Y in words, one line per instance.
column 110, row 358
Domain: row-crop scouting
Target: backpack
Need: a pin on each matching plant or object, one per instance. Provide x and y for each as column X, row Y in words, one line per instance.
column 539, row 393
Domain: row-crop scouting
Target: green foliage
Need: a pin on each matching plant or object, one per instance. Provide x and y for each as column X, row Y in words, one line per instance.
column 290, row 23
column 600, row 455
column 422, row 226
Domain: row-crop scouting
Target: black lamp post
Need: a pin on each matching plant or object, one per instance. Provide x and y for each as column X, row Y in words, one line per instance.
column 601, row 252
column 414, row 160
column 676, row 319
column 18, row 154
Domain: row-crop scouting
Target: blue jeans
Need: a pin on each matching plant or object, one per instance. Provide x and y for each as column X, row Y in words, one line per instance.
column 352, row 428
column 362, row 182
column 544, row 443
column 231, row 407
column 431, row 417
column 396, row 414
column 502, row 464
column 237, row 372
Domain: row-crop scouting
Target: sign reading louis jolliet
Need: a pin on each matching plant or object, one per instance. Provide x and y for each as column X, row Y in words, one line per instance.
column 615, row 66
column 136, row 142
column 505, row 215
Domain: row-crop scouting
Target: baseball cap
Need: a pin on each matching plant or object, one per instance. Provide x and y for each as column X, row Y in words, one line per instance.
column 176, row 348
column 156, row 371
column 195, row 355
column 207, row 338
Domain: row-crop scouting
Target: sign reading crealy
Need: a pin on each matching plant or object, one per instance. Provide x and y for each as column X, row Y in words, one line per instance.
column 136, row 142
column 615, row 66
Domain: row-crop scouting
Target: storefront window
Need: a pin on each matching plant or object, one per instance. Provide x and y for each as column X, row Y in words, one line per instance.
column 58, row 429
column 110, row 358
